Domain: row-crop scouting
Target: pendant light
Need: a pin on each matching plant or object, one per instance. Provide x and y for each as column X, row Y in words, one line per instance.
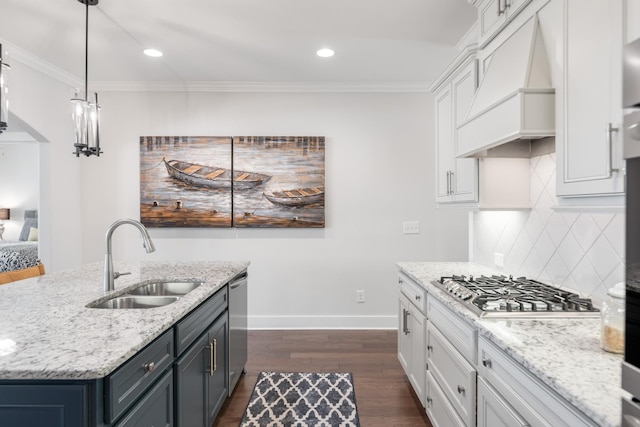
column 86, row 114
column 4, row 92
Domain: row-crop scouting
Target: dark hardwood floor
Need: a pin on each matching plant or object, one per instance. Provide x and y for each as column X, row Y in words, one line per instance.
column 383, row 394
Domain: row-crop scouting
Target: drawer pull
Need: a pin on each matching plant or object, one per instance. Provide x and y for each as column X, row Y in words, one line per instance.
column 429, row 348
column 486, row 363
column 418, row 298
column 429, row 401
column 461, row 390
column 149, row 367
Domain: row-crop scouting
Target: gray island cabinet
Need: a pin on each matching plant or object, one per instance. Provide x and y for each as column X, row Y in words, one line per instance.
column 166, row 366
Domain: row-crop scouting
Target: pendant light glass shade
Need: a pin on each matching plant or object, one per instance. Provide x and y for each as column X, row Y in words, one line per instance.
column 85, row 114
column 4, row 92
column 86, row 123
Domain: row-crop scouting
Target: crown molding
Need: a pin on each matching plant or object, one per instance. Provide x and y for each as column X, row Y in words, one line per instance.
column 465, row 53
column 17, row 54
column 210, row 86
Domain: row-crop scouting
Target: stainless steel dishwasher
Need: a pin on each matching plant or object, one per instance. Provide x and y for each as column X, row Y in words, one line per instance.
column 237, row 329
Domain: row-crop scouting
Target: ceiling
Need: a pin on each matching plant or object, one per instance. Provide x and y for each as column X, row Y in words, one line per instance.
column 393, row 42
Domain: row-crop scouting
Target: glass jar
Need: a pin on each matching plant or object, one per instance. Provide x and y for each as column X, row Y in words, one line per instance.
column 612, row 320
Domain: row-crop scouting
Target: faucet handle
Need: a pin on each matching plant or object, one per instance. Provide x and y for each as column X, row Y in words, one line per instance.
column 116, row 274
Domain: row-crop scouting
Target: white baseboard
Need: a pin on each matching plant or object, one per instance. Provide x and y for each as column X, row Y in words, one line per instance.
column 322, row 322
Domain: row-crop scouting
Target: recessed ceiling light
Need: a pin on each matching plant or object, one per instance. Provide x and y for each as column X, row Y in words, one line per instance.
column 325, row 53
column 153, row 52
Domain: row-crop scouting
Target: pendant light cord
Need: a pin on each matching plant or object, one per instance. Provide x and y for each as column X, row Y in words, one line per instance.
column 86, row 53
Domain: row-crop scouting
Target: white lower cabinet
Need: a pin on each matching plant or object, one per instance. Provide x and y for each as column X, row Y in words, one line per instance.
column 411, row 333
column 518, row 395
column 454, row 374
column 451, row 346
column 439, row 410
column 494, row 411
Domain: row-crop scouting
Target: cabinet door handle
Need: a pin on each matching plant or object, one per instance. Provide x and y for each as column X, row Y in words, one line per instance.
column 215, row 355
column 429, row 401
column 448, row 182
column 418, row 297
column 461, row 390
column 501, row 10
column 404, row 321
column 212, row 357
column 486, row 363
column 149, row 367
column 453, row 187
column 610, row 131
column 429, row 348
column 407, row 321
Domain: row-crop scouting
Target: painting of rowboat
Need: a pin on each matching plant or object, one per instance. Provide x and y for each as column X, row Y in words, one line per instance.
column 247, row 181
column 296, row 198
column 213, row 177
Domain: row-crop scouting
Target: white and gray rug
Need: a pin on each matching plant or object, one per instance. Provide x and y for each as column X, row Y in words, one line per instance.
column 298, row 399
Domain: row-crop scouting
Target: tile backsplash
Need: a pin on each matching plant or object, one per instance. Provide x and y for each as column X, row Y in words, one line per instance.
column 577, row 249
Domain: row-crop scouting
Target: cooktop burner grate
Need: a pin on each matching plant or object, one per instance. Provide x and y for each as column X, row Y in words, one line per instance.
column 505, row 296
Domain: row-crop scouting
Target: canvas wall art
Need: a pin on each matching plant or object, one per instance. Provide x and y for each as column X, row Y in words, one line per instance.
column 243, row 181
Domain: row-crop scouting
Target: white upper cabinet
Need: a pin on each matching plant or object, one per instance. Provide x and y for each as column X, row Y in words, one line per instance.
column 493, row 15
column 456, row 179
column 588, row 77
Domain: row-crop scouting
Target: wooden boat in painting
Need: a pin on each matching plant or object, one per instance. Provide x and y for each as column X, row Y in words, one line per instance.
column 213, row 177
column 297, row 197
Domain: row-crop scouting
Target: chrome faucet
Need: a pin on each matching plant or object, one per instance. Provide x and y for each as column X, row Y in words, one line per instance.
column 109, row 274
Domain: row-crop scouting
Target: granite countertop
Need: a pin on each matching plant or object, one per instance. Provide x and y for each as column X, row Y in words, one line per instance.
column 48, row 333
column 564, row 354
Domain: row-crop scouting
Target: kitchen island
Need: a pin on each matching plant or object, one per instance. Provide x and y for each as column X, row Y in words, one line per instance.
column 49, row 336
column 562, row 354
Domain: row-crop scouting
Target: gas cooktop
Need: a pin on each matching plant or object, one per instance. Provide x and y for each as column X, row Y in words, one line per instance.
column 505, row 296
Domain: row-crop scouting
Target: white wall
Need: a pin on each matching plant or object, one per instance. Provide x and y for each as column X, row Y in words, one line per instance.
column 379, row 173
column 19, row 182
column 578, row 249
column 42, row 103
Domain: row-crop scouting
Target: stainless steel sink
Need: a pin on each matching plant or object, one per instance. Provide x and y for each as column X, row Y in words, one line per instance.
column 160, row 288
column 136, row 301
column 152, row 294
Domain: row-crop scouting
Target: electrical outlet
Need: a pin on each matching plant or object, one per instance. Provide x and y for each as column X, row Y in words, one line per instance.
column 498, row 259
column 360, row 296
column 411, row 227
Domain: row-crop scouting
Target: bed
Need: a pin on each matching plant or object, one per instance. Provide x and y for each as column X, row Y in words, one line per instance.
column 23, row 253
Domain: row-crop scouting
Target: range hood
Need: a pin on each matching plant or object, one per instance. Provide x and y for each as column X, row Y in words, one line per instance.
column 515, row 102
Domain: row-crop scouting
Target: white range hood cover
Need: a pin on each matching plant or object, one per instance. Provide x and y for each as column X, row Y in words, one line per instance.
column 515, row 99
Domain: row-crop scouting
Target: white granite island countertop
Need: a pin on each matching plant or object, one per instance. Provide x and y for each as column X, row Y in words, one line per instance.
column 564, row 354
column 48, row 333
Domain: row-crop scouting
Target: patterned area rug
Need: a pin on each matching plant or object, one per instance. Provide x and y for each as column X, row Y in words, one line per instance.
column 297, row 399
